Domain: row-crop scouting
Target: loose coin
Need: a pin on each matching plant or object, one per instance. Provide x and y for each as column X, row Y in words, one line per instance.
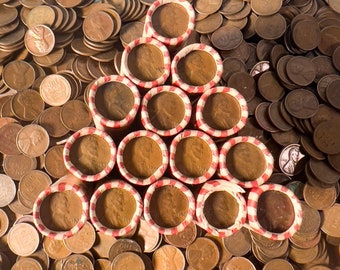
column 301, row 70
column 319, row 198
column 227, row 38
column 238, row 244
column 28, row 263
column 55, row 249
column 39, row 40
column 54, row 163
column 55, row 90
column 326, row 137
column 83, row 240
column 75, row 115
column 183, row 238
column 4, row 222
column 130, row 260
column 18, row 75
column 123, row 245
column 301, row 103
column 15, row 166
column 168, row 256
column 75, row 261
column 266, row 8
column 51, row 121
column 270, row 27
column 7, row 191
column 289, row 159
column 333, row 94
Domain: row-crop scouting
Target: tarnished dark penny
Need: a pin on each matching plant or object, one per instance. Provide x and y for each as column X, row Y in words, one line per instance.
column 323, row 84
column 227, row 38
column 252, row 104
column 323, row 171
column 276, row 117
column 269, row 86
column 285, row 138
column 279, row 178
column 336, row 58
column 308, row 147
column 281, row 69
column 327, row 137
column 8, row 134
column 301, row 103
column 231, row 65
column 242, row 52
column 334, row 161
column 301, row 70
column 265, row 8
column 330, row 39
column 231, row 7
column 262, row 117
column 244, row 83
column 324, row 66
column 276, row 53
column 270, row 27
column 263, row 49
column 333, row 94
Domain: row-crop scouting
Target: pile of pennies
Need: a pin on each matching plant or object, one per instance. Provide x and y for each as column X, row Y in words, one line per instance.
column 65, row 63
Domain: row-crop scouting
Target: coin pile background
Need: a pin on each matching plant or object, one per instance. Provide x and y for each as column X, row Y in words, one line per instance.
column 283, row 56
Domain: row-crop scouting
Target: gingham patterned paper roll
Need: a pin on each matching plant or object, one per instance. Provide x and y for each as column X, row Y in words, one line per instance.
column 254, row 224
column 102, row 122
column 192, row 89
column 125, row 71
column 225, row 173
column 160, row 170
column 191, row 207
column 59, row 235
column 136, row 217
column 149, row 30
column 235, row 191
column 202, row 124
column 75, row 171
column 145, row 117
column 214, row 157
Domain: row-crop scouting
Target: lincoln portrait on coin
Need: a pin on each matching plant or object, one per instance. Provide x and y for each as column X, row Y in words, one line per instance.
column 293, row 158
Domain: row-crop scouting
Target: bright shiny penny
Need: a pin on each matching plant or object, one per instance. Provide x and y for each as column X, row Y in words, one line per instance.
column 168, row 257
column 33, row 140
column 55, row 249
column 39, row 40
column 7, row 190
column 128, row 260
column 4, row 222
column 18, row 75
column 55, row 90
column 15, row 166
column 83, row 240
column 75, row 115
column 23, row 239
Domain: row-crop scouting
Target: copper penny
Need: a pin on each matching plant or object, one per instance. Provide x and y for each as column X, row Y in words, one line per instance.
column 231, row 6
column 184, row 238
column 55, row 90
column 130, row 32
column 16, row 166
column 309, row 147
column 7, row 191
column 324, row 66
column 266, row 8
column 270, row 27
column 18, row 75
column 75, row 115
column 98, row 26
column 301, row 70
column 323, row 84
column 336, row 58
column 244, row 83
column 55, row 249
column 123, row 245
column 334, row 161
column 269, row 86
column 238, row 244
column 75, row 261
column 7, row 15
column 323, row 171
column 209, row 24
column 319, row 198
column 306, row 33
column 27, row 105
column 232, row 65
column 129, row 260
column 41, row 15
column 262, row 117
column 276, row 117
column 168, row 256
column 333, row 94
column 301, row 103
column 83, row 240
column 51, row 121
column 326, row 137
column 330, row 39
column 331, row 221
column 207, row 7
column 227, row 38
column 39, row 40
column 54, row 163
column 8, row 134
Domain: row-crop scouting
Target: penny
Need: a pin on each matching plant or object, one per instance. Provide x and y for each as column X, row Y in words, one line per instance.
column 170, row 20
column 54, row 164
column 123, row 245
column 27, row 105
column 4, row 222
column 202, row 6
column 55, row 249
column 231, row 65
column 32, row 140
column 303, row 256
column 102, row 245
column 102, row 264
column 75, row 261
column 323, row 84
column 334, row 161
column 323, row 171
column 238, row 244
column 277, row 26
column 229, row 7
column 23, row 239
column 39, row 40
column 324, row 113
column 326, row 137
column 15, row 166
column 75, row 115
column 332, row 94
column 27, row 262
column 202, row 254
column 227, row 38
column 276, row 117
column 301, row 70
column 146, row 237
column 319, row 198
column 55, row 90
column 301, row 103
column 7, row 15
column 98, row 26
column 183, row 238
column 41, row 15
column 8, row 190
column 330, row 38
column 306, row 33
column 324, row 66
column 18, row 75
column 50, row 120
column 244, row 83
column 262, row 117
column 309, row 148
column 83, row 240
column 129, row 260
column 290, row 159
column 285, row 138
column 130, row 32
column 209, row 24
column 336, row 58
column 311, row 221
column 266, row 8
column 239, row 263
column 269, row 86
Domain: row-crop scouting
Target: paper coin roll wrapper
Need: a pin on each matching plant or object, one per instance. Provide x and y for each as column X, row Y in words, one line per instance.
column 110, row 125
column 182, row 188
column 149, row 30
column 202, row 123
column 125, row 71
column 235, row 191
column 76, row 171
column 61, row 187
column 252, row 210
column 157, row 173
column 225, row 173
column 146, row 116
column 196, row 89
column 115, row 184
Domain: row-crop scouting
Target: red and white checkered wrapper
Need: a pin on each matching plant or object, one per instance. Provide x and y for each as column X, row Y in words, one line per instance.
column 254, row 225
column 149, row 30
column 125, row 71
column 192, row 89
column 158, row 173
column 59, row 235
column 102, row 122
column 191, row 209
column 136, row 217
column 200, row 122
column 214, row 153
column 146, row 117
column 225, row 173
column 234, row 190
column 75, row 171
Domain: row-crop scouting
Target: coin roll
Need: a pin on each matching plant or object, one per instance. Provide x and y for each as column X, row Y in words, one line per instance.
column 130, row 216
column 150, row 31
column 253, row 211
column 104, row 122
column 193, row 157
column 54, row 189
column 236, row 161
column 171, row 203
column 221, row 112
column 196, row 68
column 86, row 148
column 226, row 208
column 163, row 117
column 142, row 157
column 146, row 62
